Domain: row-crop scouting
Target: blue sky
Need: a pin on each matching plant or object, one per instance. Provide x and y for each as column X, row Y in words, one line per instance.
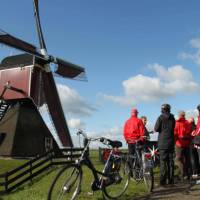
column 136, row 53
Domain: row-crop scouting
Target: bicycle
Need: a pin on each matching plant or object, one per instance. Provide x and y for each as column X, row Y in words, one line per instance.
column 141, row 165
column 113, row 180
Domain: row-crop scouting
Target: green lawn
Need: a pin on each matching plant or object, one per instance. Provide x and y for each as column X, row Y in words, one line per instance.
column 38, row 189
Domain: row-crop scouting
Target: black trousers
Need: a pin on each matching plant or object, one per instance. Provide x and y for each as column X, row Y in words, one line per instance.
column 194, row 160
column 132, row 149
column 166, row 166
column 183, row 161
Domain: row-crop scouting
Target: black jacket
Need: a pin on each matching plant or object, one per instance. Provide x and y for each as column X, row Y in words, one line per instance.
column 165, row 126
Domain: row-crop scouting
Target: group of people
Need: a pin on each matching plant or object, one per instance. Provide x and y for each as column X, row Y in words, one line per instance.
column 179, row 139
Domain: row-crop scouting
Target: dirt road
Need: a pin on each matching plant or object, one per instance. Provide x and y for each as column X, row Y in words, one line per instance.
column 184, row 191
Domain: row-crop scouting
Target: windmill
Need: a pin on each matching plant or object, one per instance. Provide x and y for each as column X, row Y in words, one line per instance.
column 29, row 77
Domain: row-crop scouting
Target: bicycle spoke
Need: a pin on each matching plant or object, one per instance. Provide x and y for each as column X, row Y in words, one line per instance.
column 66, row 184
column 118, row 182
column 149, row 179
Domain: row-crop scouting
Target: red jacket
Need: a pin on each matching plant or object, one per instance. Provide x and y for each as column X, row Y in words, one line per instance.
column 182, row 133
column 133, row 129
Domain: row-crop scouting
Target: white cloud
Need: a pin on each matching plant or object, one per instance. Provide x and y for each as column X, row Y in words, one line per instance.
column 176, row 72
column 167, row 83
column 73, row 103
column 76, row 124
column 112, row 133
column 195, row 43
column 195, row 57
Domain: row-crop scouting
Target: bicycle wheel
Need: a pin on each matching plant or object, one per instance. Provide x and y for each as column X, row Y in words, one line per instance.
column 137, row 169
column 66, row 184
column 148, row 175
column 114, row 188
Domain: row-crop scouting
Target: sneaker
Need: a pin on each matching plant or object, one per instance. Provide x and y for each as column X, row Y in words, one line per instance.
column 194, row 176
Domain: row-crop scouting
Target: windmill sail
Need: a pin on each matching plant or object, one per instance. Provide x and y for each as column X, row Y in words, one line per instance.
column 55, row 109
column 19, row 44
column 38, row 25
column 67, row 69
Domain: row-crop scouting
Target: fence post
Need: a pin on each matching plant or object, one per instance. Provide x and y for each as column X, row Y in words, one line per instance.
column 30, row 169
column 71, row 154
column 50, row 155
column 6, row 182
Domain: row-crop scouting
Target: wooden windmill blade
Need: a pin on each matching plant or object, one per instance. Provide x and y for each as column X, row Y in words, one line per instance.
column 67, row 69
column 19, row 44
column 55, row 109
column 38, row 25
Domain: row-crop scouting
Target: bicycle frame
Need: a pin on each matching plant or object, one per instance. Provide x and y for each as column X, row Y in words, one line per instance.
column 140, row 153
column 137, row 161
column 84, row 159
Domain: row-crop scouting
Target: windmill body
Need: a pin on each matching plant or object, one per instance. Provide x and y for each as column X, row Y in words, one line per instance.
column 26, row 80
column 16, row 74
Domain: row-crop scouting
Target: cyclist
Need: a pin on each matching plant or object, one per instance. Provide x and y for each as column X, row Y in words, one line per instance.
column 165, row 125
column 133, row 131
column 182, row 138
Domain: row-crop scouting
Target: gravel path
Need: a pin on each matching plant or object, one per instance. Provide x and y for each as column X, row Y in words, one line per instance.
column 184, row 191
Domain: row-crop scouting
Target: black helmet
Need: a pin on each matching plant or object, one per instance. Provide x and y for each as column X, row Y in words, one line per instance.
column 198, row 107
column 165, row 108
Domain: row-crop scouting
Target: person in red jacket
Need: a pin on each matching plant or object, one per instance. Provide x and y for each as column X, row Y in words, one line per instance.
column 133, row 131
column 182, row 137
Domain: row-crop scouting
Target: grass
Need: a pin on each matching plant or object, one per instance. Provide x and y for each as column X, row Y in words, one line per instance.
column 38, row 189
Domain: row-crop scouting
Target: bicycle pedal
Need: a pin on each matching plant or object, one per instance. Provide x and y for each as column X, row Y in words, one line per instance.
column 118, row 178
column 95, row 186
column 66, row 189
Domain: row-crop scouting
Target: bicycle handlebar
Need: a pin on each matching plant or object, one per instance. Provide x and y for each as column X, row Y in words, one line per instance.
column 80, row 132
column 103, row 140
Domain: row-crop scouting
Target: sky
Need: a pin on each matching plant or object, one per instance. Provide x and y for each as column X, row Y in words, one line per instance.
column 136, row 53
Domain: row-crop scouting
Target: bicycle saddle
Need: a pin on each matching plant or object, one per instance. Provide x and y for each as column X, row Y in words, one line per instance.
column 114, row 144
